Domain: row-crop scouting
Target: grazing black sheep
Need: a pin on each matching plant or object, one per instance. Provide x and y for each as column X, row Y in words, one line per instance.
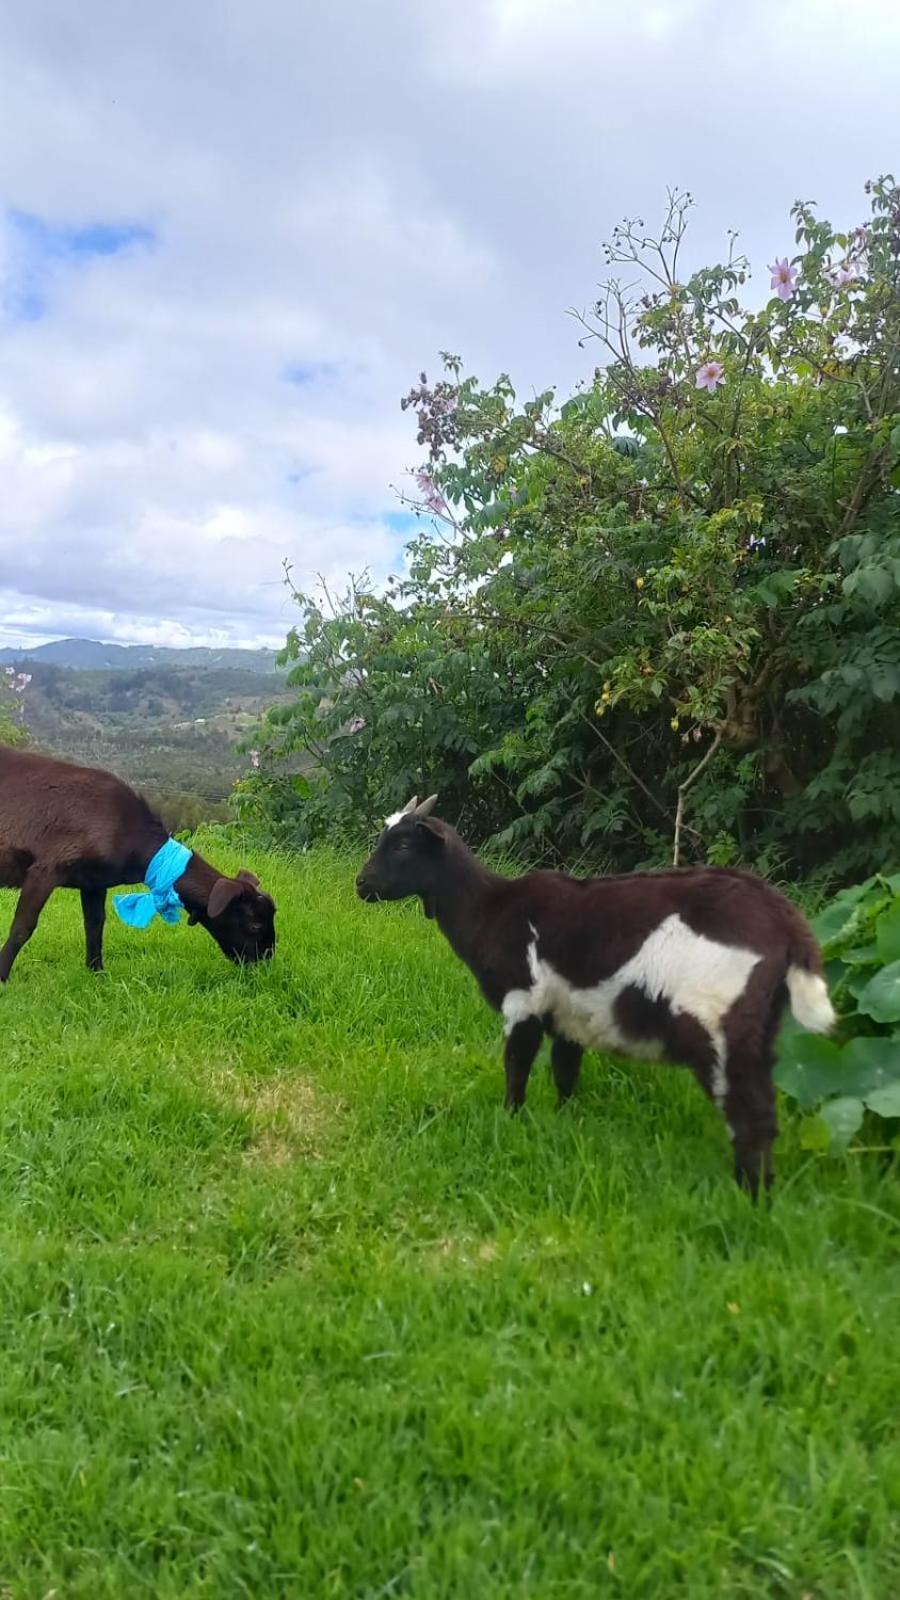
column 69, row 827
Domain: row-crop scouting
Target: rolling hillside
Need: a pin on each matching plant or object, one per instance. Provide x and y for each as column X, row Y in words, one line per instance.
column 173, row 729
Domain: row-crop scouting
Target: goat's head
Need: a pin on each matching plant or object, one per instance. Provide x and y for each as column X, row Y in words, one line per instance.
column 241, row 918
column 407, row 857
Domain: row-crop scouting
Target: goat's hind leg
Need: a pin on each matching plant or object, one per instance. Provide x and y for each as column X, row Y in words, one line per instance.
column 749, row 1108
column 565, row 1061
column 37, row 888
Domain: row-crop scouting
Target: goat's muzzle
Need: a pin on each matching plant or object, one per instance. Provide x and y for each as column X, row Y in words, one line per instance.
column 365, row 889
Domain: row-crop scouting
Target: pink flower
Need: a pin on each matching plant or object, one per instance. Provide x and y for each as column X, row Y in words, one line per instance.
column 844, row 273
column 710, row 375
column 784, row 278
column 431, row 494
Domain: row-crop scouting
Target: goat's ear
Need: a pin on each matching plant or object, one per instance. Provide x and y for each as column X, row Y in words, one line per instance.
column 432, row 831
column 223, row 891
column 248, row 877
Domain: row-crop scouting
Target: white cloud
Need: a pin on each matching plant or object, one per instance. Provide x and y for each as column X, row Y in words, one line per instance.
column 338, row 192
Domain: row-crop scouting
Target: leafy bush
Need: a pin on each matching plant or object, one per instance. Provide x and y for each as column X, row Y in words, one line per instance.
column 859, row 1070
column 12, row 686
column 662, row 611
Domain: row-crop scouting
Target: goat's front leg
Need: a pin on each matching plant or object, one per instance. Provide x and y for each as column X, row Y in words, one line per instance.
column 36, row 891
column 93, row 909
column 565, row 1059
column 522, row 1045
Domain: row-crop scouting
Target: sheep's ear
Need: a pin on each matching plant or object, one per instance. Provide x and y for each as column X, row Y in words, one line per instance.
column 223, row 891
column 427, row 806
column 248, row 877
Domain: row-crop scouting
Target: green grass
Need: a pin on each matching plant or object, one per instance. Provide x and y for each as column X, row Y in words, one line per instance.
column 290, row 1307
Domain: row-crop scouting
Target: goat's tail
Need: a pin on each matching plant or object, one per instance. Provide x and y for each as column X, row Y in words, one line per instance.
column 807, row 989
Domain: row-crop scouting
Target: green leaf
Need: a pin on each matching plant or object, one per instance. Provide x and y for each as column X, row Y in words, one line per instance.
column 887, row 933
column 808, row 1068
column 873, row 583
column 868, row 1064
column 815, row 1134
column 842, row 1118
column 834, row 917
column 861, row 955
column 885, row 1102
column 880, row 999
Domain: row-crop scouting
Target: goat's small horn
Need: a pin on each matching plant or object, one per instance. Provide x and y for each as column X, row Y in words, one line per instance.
column 410, row 805
column 427, row 806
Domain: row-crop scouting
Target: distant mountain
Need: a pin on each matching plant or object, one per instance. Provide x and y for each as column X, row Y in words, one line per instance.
column 90, row 655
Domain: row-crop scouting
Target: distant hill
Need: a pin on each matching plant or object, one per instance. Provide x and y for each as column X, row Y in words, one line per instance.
column 180, row 734
column 89, row 655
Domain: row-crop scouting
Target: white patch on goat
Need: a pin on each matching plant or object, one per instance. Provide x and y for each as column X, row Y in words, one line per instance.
column 809, row 1000
column 394, row 818
column 696, row 976
column 719, row 1083
column 517, row 1007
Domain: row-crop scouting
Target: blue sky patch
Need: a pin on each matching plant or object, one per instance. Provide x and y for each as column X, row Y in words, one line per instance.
column 303, row 373
column 402, row 522
column 79, row 239
column 40, row 247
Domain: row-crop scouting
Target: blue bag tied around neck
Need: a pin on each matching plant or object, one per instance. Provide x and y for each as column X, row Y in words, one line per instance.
column 163, row 872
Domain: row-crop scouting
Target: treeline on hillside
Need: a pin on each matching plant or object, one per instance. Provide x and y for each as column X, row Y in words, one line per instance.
column 175, row 733
column 668, row 606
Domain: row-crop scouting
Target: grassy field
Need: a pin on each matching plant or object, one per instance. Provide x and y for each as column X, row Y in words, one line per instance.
column 291, row 1308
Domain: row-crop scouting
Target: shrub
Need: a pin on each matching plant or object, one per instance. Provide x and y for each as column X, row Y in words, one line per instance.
column 858, row 1071
column 661, row 613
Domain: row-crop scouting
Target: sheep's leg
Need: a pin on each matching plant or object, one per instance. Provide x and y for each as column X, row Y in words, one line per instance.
column 93, row 909
column 522, row 1044
column 36, row 891
column 565, row 1060
column 752, row 1122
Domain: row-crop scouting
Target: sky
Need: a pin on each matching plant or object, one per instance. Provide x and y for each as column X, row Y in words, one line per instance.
column 232, row 235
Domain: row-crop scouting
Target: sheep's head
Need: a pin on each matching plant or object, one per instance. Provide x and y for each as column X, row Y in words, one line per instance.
column 241, row 918
column 407, row 857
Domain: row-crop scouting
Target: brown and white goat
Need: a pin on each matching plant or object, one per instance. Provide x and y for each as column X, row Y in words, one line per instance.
column 693, row 966
column 69, row 827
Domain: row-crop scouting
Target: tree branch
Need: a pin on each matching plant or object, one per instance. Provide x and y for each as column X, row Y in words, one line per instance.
column 682, row 791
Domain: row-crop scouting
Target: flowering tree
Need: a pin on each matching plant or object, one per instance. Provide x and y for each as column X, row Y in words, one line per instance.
column 661, row 617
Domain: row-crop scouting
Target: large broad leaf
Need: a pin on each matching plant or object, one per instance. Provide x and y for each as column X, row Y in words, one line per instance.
column 808, row 1068
column 868, row 1065
column 833, row 918
column 885, row 1102
column 842, row 1117
column 887, row 933
column 862, row 955
column 880, row 998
